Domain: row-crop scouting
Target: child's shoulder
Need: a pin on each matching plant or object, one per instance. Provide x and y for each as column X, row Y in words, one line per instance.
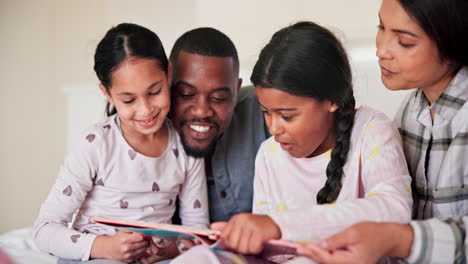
column 368, row 119
column 366, row 115
column 99, row 132
column 175, row 145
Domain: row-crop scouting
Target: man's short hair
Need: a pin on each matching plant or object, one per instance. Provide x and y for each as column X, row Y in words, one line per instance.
column 205, row 41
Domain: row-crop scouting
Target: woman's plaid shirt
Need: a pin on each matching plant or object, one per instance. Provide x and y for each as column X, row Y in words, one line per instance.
column 437, row 150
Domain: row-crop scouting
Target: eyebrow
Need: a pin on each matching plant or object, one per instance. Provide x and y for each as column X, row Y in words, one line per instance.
column 401, row 31
column 149, row 88
column 219, row 89
column 279, row 109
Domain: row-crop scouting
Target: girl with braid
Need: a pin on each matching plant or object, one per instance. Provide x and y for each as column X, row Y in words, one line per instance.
column 327, row 164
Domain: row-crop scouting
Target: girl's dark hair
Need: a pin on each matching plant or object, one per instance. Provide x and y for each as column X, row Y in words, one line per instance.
column 307, row 60
column 122, row 42
column 446, row 23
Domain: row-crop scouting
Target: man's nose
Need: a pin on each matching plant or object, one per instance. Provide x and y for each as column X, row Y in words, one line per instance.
column 202, row 108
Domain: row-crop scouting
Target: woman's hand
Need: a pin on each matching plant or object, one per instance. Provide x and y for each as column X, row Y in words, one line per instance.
column 362, row 243
column 123, row 246
column 247, row 233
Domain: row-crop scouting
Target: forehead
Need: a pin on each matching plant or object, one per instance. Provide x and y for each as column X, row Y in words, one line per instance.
column 394, row 16
column 205, row 72
column 277, row 99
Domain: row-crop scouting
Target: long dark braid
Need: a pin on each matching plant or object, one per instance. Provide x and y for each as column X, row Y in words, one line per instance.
column 344, row 119
column 307, row 60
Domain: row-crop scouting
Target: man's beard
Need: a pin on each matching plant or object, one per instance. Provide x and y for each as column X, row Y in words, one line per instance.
column 198, row 152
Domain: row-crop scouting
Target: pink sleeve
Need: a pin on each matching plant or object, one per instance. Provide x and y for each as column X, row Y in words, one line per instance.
column 74, row 181
column 386, row 185
column 193, row 196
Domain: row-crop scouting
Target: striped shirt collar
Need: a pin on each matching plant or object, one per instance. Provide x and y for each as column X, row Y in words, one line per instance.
column 449, row 102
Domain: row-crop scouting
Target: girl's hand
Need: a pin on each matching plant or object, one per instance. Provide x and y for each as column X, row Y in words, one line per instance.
column 124, row 246
column 162, row 250
column 247, row 233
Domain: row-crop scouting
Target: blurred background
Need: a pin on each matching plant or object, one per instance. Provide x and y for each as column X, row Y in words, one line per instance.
column 49, row 90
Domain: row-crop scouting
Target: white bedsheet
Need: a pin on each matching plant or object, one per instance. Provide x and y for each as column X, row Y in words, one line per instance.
column 19, row 246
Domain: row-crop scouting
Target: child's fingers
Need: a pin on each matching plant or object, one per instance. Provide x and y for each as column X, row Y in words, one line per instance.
column 136, row 237
column 138, row 253
column 138, row 245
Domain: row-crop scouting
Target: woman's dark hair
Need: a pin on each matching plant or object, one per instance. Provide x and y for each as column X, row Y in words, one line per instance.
column 122, row 42
column 307, row 60
column 446, row 23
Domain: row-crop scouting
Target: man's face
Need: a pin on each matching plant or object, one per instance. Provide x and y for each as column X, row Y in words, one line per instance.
column 204, row 92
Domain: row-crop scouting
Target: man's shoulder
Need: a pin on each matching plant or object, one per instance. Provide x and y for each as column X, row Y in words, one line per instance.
column 246, row 93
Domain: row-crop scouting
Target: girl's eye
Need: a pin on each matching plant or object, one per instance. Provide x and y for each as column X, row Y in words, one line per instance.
column 380, row 27
column 128, row 101
column 155, row 93
column 287, row 118
column 265, row 112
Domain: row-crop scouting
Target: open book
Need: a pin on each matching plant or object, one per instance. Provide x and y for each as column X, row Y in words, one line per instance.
column 206, row 236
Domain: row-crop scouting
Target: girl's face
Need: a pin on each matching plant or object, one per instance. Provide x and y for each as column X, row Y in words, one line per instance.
column 303, row 126
column 140, row 95
column 407, row 56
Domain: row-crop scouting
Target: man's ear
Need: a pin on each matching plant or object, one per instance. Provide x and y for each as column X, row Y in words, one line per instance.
column 105, row 93
column 239, row 84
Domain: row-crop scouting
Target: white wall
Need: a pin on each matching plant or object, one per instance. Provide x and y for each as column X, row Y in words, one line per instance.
column 47, row 48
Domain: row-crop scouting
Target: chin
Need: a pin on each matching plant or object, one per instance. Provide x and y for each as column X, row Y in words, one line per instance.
column 198, row 151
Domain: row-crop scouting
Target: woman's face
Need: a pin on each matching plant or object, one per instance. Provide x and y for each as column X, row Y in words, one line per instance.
column 408, row 58
column 140, row 95
column 303, row 126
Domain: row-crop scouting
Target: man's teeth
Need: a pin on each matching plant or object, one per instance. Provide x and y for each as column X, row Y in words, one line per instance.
column 200, row 129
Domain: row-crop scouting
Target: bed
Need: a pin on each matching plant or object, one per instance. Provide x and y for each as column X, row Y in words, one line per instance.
column 19, row 246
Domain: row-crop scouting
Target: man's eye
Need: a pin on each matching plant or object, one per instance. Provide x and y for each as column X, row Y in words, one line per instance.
column 218, row 99
column 186, row 96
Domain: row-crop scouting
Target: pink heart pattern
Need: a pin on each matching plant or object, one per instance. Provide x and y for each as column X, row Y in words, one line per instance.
column 123, row 204
column 170, row 202
column 67, row 191
column 100, row 182
column 74, row 238
column 131, row 154
column 155, row 187
column 106, row 126
column 90, row 137
column 197, row 204
column 176, row 152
